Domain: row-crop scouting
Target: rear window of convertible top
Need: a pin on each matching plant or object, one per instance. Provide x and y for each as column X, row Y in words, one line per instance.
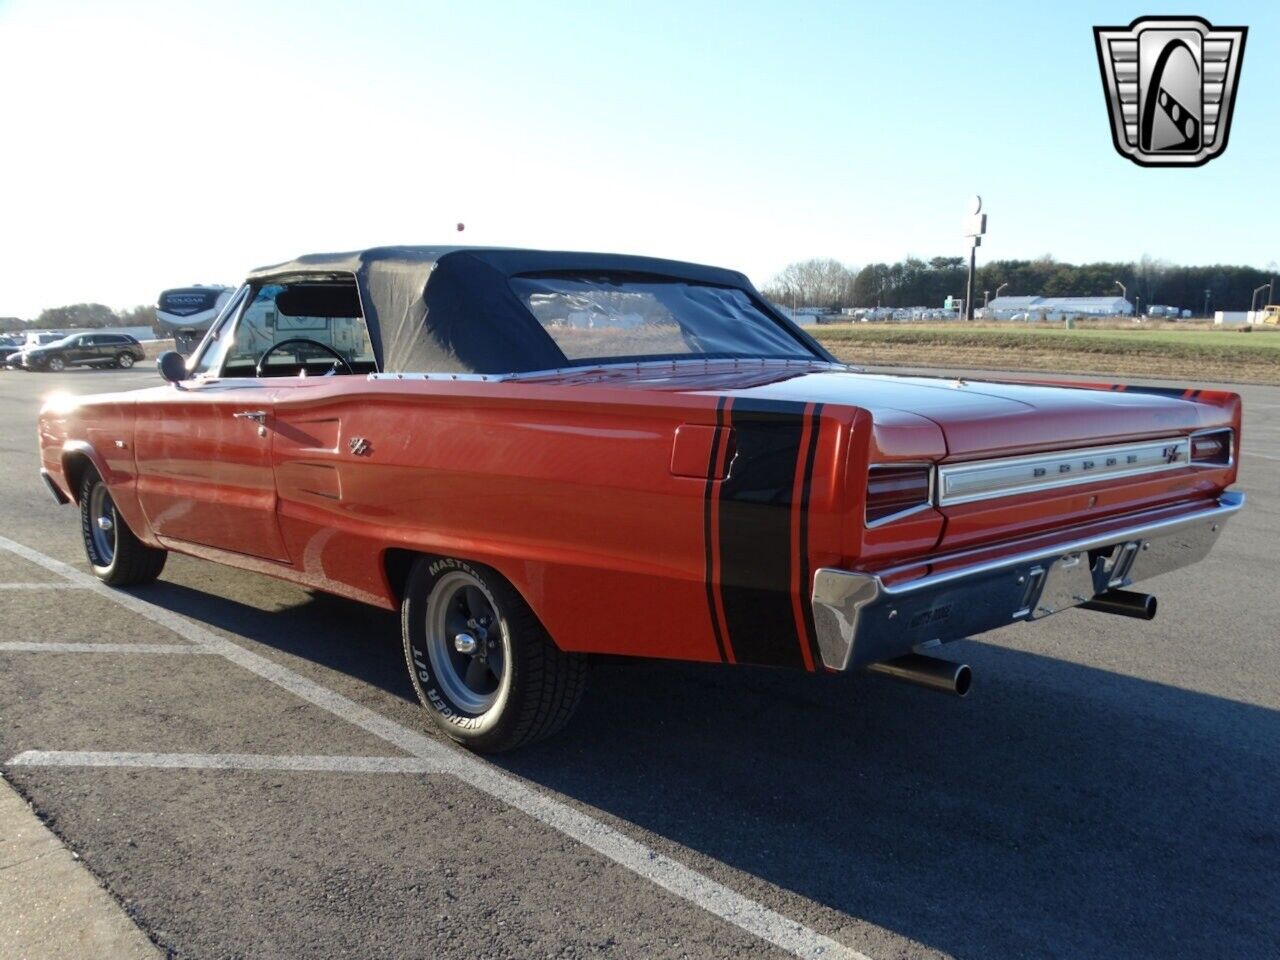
column 593, row 318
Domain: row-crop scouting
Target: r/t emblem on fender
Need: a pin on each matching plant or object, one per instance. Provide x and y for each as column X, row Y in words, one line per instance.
column 360, row 446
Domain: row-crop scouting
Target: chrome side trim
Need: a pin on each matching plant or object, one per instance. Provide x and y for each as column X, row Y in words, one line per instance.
column 987, row 479
column 859, row 619
column 473, row 377
column 642, row 366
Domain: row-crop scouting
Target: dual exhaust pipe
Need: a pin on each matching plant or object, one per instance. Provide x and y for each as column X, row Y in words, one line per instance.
column 956, row 678
column 1124, row 603
column 926, row 671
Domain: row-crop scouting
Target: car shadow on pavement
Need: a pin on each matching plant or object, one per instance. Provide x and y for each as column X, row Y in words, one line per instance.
column 1061, row 810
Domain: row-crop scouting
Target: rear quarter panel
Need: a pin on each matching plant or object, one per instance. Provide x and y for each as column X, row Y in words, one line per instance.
column 570, row 493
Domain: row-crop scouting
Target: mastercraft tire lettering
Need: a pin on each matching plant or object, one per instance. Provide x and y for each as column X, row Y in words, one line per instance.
column 480, row 661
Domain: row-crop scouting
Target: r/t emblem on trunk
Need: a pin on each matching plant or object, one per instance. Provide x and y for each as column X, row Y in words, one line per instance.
column 360, row 446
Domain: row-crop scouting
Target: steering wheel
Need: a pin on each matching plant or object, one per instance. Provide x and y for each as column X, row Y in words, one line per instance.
column 262, row 360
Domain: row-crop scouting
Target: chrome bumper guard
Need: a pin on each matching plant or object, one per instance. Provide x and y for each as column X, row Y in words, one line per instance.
column 860, row 620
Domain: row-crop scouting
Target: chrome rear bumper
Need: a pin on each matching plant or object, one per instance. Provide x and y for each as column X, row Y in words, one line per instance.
column 861, row 620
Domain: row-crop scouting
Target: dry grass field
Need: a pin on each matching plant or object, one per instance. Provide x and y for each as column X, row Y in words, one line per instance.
column 1182, row 351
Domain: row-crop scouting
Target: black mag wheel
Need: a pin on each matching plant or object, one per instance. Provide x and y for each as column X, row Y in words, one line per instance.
column 118, row 557
column 480, row 661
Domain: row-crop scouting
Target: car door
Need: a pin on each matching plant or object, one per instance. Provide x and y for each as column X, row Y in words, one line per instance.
column 78, row 350
column 203, row 451
column 105, row 347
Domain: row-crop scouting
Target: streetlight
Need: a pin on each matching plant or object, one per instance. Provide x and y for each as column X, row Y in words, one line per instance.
column 1124, row 291
column 1001, row 287
column 1206, row 301
column 1253, row 303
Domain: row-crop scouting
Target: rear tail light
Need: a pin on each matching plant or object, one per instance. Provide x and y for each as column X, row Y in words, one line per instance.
column 1211, row 447
column 893, row 491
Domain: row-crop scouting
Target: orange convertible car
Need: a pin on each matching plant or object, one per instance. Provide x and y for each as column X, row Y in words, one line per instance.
column 538, row 456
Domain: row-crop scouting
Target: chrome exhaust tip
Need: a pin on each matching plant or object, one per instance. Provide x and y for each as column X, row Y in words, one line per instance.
column 1124, row 603
column 926, row 671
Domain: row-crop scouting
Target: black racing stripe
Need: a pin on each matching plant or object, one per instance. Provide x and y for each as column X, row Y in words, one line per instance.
column 707, row 532
column 756, row 559
column 1178, row 393
column 811, row 454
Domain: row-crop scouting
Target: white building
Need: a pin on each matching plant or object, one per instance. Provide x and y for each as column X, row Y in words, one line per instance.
column 1058, row 308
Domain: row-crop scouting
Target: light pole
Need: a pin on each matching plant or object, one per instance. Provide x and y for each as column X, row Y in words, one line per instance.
column 1001, row 287
column 1253, row 303
column 975, row 227
column 1206, row 302
column 1124, row 291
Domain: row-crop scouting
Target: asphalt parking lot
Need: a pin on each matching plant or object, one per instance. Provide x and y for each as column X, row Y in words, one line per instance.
column 244, row 767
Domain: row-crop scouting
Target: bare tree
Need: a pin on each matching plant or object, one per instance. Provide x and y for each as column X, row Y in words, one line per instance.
column 1149, row 275
column 819, row 282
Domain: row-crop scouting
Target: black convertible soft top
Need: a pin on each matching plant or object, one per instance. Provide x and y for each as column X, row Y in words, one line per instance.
column 451, row 309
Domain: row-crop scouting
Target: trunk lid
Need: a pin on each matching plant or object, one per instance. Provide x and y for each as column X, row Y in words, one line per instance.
column 986, row 419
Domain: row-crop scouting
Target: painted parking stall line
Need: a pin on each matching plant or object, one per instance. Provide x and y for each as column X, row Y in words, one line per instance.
column 636, row 857
column 36, row 646
column 40, row 586
column 223, row 761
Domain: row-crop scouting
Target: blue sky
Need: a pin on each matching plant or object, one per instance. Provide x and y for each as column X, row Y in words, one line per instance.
column 158, row 144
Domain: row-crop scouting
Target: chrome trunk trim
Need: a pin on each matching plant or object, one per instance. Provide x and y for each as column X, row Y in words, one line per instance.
column 987, row 479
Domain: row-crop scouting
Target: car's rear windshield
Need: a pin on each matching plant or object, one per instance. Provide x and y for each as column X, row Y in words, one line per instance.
column 597, row 318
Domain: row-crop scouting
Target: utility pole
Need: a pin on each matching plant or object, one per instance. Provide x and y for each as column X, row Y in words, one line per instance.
column 975, row 226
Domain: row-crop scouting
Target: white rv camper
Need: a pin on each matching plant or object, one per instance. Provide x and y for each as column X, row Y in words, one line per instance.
column 187, row 312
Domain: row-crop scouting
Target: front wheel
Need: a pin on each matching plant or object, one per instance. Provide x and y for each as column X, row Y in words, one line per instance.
column 480, row 661
column 118, row 558
column 55, row 365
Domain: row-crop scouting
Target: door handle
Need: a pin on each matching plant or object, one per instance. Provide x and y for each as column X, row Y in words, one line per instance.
column 257, row 416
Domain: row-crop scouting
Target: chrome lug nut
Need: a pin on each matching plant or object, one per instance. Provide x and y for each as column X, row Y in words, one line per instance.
column 465, row 643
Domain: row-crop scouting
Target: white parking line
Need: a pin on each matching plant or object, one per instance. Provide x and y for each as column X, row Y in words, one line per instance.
column 40, row 586
column 223, row 761
column 1264, row 456
column 24, row 646
column 684, row 882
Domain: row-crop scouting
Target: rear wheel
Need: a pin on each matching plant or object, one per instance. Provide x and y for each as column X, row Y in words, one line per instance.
column 480, row 661
column 124, row 361
column 118, row 557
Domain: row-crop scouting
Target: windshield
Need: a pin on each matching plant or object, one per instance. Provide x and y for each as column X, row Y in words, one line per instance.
column 594, row 318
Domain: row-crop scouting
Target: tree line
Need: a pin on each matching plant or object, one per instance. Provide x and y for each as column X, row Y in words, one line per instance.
column 912, row 282
column 84, row 316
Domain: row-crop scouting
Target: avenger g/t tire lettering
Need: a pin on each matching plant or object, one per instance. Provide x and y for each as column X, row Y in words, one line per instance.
column 118, row 558
column 479, row 659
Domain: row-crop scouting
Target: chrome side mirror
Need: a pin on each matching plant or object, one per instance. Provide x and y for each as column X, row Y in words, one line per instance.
column 172, row 366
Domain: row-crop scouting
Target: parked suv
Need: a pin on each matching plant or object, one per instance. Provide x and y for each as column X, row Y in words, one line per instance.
column 85, row 350
column 8, row 347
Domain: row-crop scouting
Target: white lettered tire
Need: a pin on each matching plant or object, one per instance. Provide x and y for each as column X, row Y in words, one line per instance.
column 118, row 558
column 480, row 662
